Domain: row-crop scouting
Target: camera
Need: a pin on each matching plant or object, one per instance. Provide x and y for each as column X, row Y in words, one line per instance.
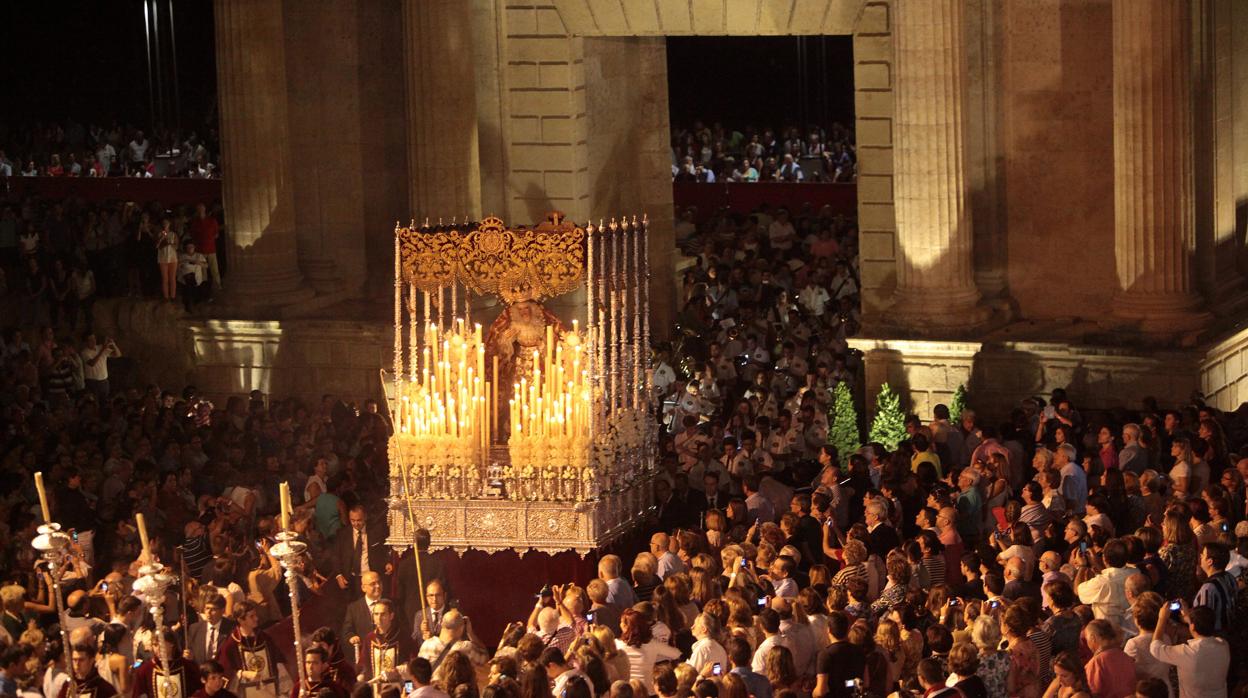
column 762, row 601
column 1175, row 606
column 717, row 669
column 995, row 603
column 408, row 687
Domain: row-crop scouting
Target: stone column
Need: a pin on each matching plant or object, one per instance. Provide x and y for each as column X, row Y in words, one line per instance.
column 443, row 152
column 255, row 145
column 935, row 270
column 1154, row 229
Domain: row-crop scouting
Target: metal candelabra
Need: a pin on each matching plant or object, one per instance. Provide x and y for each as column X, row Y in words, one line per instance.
column 152, row 586
column 53, row 547
column 288, row 551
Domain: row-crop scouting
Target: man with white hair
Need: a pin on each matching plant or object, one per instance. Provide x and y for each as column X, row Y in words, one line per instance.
column 551, row 632
column 881, row 536
column 1074, row 480
column 970, row 505
column 619, row 592
column 668, row 562
column 1132, row 458
column 456, row 636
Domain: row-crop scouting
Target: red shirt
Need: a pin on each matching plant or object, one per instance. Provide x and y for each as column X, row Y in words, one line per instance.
column 204, row 232
column 1111, row 674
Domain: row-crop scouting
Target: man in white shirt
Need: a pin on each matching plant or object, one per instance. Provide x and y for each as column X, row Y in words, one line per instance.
column 1106, row 593
column 759, row 508
column 769, row 623
column 814, row 298
column 1202, row 661
column 689, row 443
column 192, row 272
column 95, row 364
column 706, row 650
column 138, row 150
column 421, row 672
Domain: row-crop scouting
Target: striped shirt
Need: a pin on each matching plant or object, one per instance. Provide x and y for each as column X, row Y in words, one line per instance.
column 1044, row 653
column 1218, row 595
column 848, row 574
column 935, row 566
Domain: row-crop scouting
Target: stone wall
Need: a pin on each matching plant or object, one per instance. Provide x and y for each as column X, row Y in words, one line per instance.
column 1058, row 140
column 1224, row 372
column 298, row 358
column 999, row 375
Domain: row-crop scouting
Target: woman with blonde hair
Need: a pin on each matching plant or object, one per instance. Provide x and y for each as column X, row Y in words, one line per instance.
column 1178, row 553
column 779, row 669
column 888, row 641
column 716, row 525
column 1182, row 474
column 604, row 642
column 810, row 607
column 731, row 686
column 681, row 588
column 705, row 586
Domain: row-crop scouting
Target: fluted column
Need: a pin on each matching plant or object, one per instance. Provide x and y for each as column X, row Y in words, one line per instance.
column 1154, row 231
column 443, row 150
column 935, row 270
column 255, row 147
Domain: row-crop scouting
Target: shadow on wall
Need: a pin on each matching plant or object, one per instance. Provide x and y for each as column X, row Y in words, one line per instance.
column 153, row 339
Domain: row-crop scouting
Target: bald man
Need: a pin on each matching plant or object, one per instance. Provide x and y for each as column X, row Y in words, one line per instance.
column 359, row 617
column 668, row 562
column 78, row 615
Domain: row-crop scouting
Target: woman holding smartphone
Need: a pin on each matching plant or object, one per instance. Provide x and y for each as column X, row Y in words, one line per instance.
column 167, row 259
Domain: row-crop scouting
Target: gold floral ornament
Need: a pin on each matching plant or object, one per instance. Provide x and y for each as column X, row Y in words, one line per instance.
column 488, row 257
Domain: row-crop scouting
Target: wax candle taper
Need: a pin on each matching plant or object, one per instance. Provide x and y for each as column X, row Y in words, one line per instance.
column 43, row 498
column 138, row 520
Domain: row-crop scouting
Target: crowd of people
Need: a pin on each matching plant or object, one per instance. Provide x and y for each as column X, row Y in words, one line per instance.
column 1057, row 552
column 74, row 149
column 702, row 153
column 58, row 257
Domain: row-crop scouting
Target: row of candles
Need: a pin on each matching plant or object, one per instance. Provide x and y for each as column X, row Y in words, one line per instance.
column 557, row 403
column 450, row 397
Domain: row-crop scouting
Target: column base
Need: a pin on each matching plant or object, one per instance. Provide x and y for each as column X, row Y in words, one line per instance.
column 322, row 273
column 936, row 311
column 1161, row 313
column 252, row 293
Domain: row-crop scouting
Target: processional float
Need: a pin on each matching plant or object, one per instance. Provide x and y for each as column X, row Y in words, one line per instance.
column 530, row 434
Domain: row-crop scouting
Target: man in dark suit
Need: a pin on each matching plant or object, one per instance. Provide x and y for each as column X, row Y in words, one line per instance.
column 406, row 583
column 716, row 494
column 358, row 621
column 428, row 621
column 207, row 635
column 693, row 501
column 881, row 537
column 357, row 549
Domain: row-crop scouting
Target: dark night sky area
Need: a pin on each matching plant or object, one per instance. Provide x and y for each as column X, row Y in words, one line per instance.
column 87, row 60
column 761, row 81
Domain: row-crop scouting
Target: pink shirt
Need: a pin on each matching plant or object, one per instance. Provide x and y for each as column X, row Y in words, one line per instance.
column 1111, row 674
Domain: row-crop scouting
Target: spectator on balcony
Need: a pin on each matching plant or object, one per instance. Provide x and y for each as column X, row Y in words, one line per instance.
column 192, row 274
column 137, row 150
column 790, row 171
column 167, row 259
